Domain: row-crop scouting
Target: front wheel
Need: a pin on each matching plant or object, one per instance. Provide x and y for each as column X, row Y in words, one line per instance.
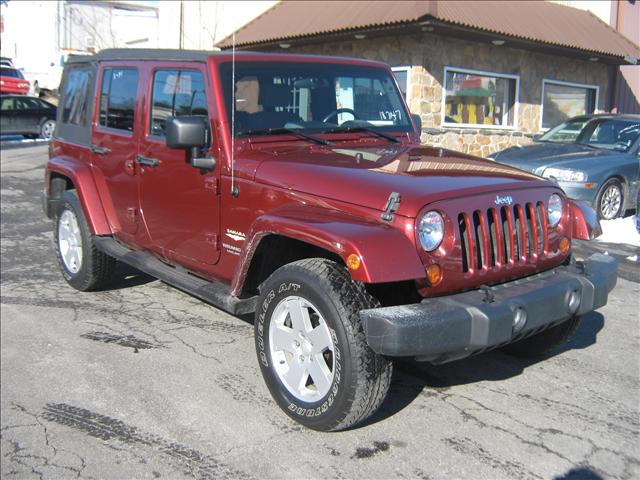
column 311, row 346
column 610, row 203
column 83, row 266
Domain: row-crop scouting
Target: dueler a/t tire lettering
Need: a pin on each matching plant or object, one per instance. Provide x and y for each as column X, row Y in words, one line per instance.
column 359, row 377
column 95, row 270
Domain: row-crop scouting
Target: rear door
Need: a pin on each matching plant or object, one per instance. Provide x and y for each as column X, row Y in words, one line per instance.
column 115, row 133
column 179, row 203
column 28, row 115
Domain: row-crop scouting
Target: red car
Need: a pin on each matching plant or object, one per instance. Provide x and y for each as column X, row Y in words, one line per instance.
column 12, row 81
column 294, row 187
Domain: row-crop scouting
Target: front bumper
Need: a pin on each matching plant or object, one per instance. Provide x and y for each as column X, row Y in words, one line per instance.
column 443, row 329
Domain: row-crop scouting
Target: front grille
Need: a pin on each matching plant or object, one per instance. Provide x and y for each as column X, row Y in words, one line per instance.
column 502, row 236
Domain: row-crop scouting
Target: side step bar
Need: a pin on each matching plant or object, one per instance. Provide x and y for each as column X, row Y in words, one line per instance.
column 215, row 293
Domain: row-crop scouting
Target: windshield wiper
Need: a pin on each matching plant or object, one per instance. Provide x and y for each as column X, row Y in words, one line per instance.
column 363, row 129
column 588, row 145
column 290, row 131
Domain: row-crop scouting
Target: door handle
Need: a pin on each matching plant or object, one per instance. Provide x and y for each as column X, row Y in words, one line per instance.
column 99, row 150
column 146, row 161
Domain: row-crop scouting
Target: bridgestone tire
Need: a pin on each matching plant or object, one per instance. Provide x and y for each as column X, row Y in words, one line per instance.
column 96, row 268
column 361, row 378
column 545, row 341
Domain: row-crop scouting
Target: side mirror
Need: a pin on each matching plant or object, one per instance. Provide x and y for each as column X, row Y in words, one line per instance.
column 536, row 137
column 186, row 132
column 417, row 121
column 190, row 132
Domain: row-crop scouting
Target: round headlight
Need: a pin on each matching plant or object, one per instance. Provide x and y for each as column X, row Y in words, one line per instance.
column 431, row 230
column 554, row 209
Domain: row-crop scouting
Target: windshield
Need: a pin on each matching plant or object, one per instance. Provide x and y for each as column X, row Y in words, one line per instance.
column 10, row 72
column 608, row 133
column 312, row 98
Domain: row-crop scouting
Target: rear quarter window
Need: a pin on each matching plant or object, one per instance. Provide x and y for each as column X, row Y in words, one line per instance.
column 76, row 94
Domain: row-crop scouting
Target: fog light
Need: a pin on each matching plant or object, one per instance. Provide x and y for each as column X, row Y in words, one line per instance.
column 434, row 274
column 564, row 245
column 574, row 302
column 353, row 261
column 519, row 319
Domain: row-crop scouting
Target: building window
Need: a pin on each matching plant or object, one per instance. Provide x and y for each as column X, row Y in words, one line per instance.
column 403, row 77
column 563, row 100
column 473, row 98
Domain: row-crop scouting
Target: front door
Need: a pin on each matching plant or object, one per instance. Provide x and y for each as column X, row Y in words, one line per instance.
column 179, row 203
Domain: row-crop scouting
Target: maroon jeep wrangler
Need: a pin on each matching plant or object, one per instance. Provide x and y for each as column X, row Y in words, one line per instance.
column 295, row 187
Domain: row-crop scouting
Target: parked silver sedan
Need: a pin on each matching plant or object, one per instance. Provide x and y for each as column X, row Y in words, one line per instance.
column 592, row 157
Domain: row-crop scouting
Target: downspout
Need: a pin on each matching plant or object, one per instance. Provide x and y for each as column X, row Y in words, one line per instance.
column 614, row 70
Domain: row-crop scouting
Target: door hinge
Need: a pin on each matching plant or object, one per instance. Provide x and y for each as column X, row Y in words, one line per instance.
column 211, row 184
column 132, row 214
column 212, row 239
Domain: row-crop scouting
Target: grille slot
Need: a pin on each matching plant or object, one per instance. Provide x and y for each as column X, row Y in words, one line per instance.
column 497, row 237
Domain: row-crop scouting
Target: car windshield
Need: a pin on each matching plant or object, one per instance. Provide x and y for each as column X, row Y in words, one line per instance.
column 607, row 133
column 10, row 72
column 313, row 98
column 566, row 132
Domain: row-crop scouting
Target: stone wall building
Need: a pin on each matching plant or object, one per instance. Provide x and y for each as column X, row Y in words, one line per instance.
column 479, row 85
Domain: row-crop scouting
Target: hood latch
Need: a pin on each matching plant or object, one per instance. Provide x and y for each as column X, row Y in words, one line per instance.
column 393, row 203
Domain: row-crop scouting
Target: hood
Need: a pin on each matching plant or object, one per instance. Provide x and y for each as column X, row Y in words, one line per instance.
column 366, row 176
column 532, row 157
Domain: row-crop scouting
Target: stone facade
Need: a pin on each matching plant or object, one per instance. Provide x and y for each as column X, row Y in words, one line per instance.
column 427, row 54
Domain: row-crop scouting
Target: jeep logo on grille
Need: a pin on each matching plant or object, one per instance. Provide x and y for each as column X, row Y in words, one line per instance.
column 506, row 200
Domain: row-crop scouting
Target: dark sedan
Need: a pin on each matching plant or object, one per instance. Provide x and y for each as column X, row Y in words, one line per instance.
column 28, row 116
column 592, row 157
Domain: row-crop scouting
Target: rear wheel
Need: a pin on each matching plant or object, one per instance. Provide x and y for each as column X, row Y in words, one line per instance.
column 545, row 341
column 312, row 349
column 83, row 266
column 47, row 128
column 610, row 200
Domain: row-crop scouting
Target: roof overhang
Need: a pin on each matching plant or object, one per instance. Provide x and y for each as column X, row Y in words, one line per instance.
column 430, row 25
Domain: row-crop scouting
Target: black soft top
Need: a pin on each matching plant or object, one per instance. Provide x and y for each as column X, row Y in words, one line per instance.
column 144, row 54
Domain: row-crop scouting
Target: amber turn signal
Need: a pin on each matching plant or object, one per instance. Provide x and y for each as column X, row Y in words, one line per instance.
column 434, row 274
column 564, row 245
column 353, row 261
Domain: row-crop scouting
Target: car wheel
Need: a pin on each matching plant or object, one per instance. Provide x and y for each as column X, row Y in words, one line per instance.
column 83, row 266
column 47, row 128
column 610, row 201
column 311, row 346
column 545, row 341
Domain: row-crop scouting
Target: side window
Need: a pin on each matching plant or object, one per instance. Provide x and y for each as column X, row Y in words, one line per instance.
column 26, row 103
column 76, row 96
column 176, row 92
column 118, row 98
column 7, row 104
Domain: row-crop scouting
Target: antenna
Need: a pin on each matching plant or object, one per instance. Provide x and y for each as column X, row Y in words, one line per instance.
column 234, row 190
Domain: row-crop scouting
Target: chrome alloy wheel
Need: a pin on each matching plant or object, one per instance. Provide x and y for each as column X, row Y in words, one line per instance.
column 302, row 350
column 70, row 241
column 611, row 202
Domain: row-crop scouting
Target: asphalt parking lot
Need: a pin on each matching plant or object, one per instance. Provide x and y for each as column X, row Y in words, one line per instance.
column 144, row 381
